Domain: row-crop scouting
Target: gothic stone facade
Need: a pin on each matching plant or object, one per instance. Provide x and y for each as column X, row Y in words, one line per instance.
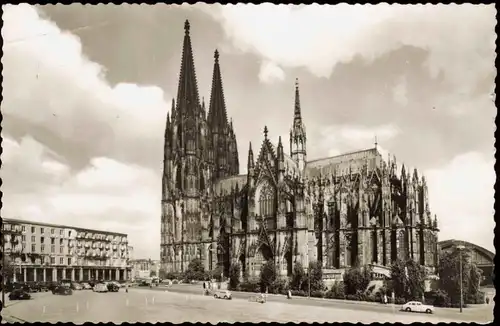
column 355, row 208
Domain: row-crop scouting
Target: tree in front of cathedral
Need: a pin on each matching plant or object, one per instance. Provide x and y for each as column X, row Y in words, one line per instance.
column 449, row 277
column 356, row 280
column 408, row 279
column 234, row 276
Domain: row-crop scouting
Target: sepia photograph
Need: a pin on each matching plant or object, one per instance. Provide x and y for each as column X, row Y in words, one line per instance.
column 248, row 163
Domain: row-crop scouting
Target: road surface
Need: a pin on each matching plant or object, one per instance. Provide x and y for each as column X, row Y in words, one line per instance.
column 145, row 305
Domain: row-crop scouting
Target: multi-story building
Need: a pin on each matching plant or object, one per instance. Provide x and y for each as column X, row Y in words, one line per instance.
column 130, row 253
column 144, row 268
column 50, row 252
column 345, row 210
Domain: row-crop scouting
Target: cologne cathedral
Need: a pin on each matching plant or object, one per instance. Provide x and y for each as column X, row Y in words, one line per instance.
column 354, row 208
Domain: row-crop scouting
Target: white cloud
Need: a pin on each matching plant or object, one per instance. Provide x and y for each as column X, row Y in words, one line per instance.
column 399, row 92
column 270, row 72
column 48, row 82
column 319, row 37
column 107, row 195
column 461, row 194
column 62, row 100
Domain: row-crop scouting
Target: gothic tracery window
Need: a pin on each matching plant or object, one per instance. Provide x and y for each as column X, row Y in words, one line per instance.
column 266, row 200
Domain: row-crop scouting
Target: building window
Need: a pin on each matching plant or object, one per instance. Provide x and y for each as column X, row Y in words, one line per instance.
column 61, row 250
column 52, row 248
column 52, row 241
column 61, row 232
column 42, row 230
column 61, row 242
column 32, row 229
column 33, row 248
column 266, row 201
column 24, row 246
column 42, row 239
column 69, row 233
column 69, row 261
column 33, row 238
column 52, row 260
column 42, row 248
column 61, row 260
column 23, row 238
column 23, row 228
column 52, row 231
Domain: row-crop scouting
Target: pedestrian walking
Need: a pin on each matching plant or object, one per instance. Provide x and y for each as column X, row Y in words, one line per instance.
column 385, row 298
column 289, row 294
column 126, row 288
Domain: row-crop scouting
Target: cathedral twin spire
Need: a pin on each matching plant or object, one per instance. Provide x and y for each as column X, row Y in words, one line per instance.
column 189, row 132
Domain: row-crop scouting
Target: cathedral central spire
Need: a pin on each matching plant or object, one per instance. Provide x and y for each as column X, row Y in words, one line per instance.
column 297, row 113
column 298, row 132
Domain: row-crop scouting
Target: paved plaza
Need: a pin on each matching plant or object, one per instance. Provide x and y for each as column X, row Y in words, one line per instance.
column 144, row 305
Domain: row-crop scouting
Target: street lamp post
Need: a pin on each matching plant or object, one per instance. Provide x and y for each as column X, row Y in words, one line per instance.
column 3, row 269
column 460, row 248
column 309, row 282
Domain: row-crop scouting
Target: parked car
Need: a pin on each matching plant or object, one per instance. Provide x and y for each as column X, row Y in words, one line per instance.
column 76, row 286
column 112, row 287
column 52, row 285
column 222, row 294
column 19, row 294
column 100, row 287
column 86, row 286
column 62, row 290
column 416, row 306
column 33, row 287
column 44, row 286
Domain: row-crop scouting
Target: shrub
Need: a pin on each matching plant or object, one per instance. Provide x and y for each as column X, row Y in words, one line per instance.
column 249, row 286
column 317, row 294
column 299, row 293
column 357, row 278
column 352, row 297
column 438, row 298
column 372, row 298
column 278, row 286
column 336, row 292
column 400, row 300
column 173, row 276
column 298, row 277
column 268, row 275
column 478, row 298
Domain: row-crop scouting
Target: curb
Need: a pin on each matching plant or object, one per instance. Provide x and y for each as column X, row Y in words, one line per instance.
column 7, row 319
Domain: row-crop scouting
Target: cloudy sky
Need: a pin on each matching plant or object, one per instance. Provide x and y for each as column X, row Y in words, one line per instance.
column 87, row 89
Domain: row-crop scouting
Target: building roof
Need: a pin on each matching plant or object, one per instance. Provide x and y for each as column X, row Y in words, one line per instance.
column 342, row 164
column 446, row 244
column 76, row 228
column 225, row 184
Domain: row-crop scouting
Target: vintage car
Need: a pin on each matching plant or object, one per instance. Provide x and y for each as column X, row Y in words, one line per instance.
column 417, row 306
column 86, row 286
column 100, row 287
column 19, row 294
column 222, row 294
column 62, row 290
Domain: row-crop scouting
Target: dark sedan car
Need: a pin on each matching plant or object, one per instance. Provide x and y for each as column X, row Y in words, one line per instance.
column 112, row 287
column 19, row 294
column 62, row 290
